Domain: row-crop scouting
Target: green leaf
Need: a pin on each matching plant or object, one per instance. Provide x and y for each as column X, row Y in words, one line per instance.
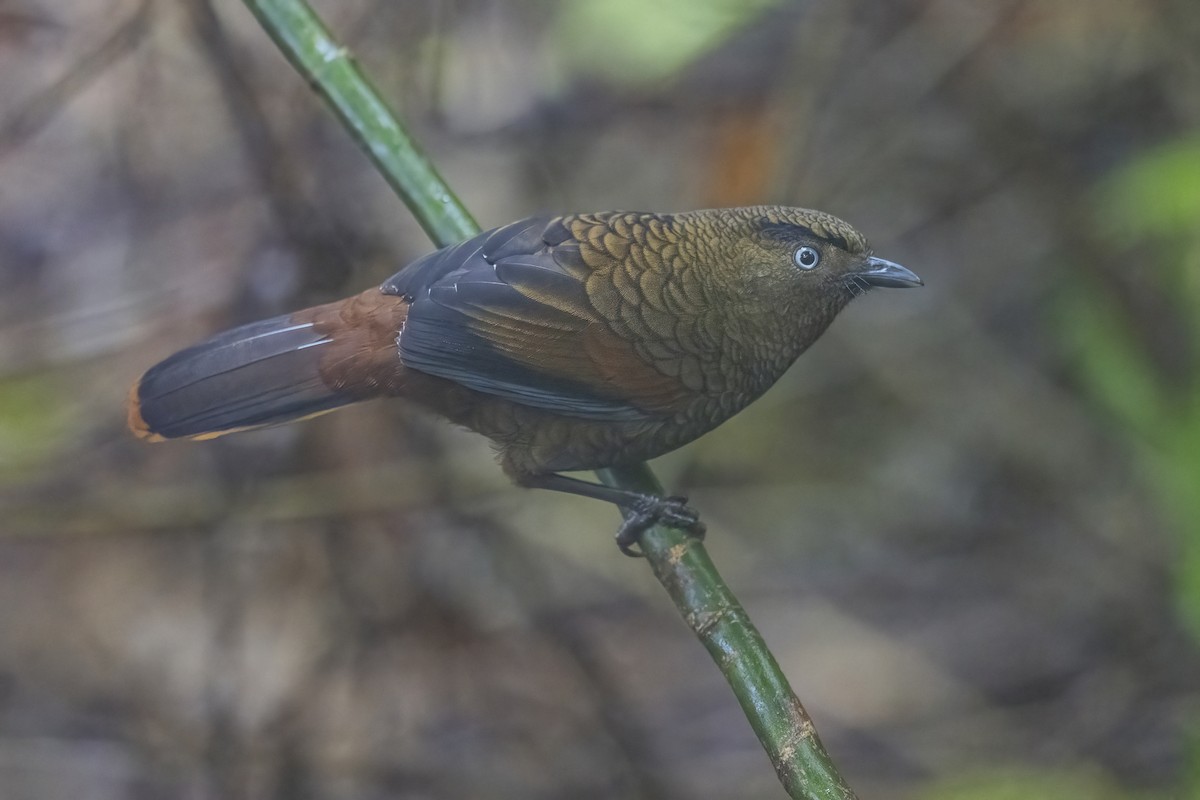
column 1156, row 193
column 1109, row 362
column 637, row 42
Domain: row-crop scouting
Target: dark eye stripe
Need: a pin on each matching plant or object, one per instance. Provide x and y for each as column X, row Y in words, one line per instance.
column 788, row 232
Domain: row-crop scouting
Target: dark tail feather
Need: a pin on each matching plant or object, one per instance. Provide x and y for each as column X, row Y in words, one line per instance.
column 259, row 374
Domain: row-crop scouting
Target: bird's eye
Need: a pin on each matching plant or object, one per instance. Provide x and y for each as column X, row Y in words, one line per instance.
column 806, row 257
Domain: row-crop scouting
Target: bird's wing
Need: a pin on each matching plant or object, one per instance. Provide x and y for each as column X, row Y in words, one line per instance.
column 508, row 314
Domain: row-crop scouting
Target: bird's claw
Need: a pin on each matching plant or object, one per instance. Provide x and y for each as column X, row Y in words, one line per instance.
column 650, row 510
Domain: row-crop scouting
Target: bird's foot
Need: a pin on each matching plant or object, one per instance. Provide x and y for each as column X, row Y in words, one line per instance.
column 650, row 510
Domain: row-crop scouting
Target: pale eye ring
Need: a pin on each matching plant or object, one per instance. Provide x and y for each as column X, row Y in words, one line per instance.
column 806, row 257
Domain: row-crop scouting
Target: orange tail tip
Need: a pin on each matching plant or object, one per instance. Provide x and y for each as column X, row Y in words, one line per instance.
column 133, row 411
column 141, row 428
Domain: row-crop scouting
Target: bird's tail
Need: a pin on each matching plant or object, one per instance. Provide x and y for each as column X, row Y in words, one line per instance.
column 273, row 371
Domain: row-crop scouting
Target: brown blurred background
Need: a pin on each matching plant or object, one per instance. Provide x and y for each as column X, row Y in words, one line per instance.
column 968, row 521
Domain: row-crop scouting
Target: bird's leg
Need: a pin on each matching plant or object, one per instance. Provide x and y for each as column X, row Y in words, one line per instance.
column 641, row 510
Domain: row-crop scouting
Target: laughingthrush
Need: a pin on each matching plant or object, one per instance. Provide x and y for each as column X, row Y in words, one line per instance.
column 573, row 343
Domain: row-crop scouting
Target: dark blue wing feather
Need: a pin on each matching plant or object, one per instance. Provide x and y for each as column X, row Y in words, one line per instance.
column 499, row 315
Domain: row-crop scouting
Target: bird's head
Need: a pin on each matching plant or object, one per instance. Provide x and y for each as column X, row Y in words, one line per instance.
column 789, row 271
column 810, row 254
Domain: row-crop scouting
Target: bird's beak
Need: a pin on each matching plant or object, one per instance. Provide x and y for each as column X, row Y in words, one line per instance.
column 879, row 272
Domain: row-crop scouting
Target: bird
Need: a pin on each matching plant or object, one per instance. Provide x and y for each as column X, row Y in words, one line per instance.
column 575, row 342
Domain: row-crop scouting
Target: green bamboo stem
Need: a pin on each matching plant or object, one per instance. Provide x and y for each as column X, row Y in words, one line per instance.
column 722, row 625
column 681, row 564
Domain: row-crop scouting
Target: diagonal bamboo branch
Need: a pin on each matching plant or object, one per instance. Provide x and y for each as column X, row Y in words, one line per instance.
column 681, row 564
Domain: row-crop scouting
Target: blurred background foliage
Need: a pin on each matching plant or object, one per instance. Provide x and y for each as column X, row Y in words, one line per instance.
column 968, row 521
column 1152, row 205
